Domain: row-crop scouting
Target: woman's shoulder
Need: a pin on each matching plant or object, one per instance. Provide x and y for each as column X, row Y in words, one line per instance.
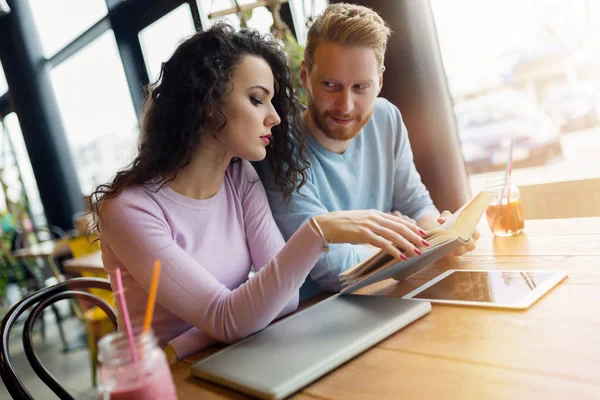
column 241, row 173
column 130, row 200
column 244, row 179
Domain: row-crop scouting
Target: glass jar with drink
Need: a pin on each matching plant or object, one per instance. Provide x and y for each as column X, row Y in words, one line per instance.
column 121, row 377
column 505, row 212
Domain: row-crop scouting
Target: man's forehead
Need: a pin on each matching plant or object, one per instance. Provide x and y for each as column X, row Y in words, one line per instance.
column 336, row 61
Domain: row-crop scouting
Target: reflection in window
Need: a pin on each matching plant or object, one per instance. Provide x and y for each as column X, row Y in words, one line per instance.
column 96, row 110
column 58, row 22
column 14, row 164
column 160, row 39
column 3, row 84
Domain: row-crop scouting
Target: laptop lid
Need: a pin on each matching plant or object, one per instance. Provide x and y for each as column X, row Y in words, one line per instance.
column 290, row 354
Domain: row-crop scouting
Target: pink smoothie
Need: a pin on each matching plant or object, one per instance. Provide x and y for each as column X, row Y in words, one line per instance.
column 157, row 385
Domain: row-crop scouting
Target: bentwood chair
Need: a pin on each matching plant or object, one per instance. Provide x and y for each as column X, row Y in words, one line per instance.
column 38, row 301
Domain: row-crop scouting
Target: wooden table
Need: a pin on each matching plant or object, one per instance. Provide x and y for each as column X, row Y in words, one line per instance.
column 44, row 249
column 47, row 250
column 549, row 351
column 88, row 264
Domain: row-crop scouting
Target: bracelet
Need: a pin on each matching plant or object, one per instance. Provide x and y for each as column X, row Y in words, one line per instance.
column 326, row 243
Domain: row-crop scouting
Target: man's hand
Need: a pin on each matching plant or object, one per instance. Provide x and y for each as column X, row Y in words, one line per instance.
column 470, row 246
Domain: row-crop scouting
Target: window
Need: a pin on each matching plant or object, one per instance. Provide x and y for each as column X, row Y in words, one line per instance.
column 258, row 18
column 303, row 13
column 17, row 173
column 3, row 84
column 160, row 39
column 96, row 110
column 528, row 70
column 60, row 21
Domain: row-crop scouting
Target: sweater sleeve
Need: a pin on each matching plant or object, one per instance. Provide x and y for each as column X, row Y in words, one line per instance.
column 262, row 234
column 135, row 230
column 291, row 217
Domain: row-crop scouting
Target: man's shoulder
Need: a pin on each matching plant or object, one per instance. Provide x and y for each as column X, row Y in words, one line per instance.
column 386, row 117
column 385, row 109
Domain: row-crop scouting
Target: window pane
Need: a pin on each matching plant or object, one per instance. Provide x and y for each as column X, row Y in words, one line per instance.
column 3, row 84
column 531, row 72
column 96, row 110
column 14, row 159
column 260, row 18
column 303, row 13
column 211, row 6
column 160, row 39
column 60, row 21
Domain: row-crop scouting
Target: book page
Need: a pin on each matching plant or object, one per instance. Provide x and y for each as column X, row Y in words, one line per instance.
column 435, row 237
column 468, row 216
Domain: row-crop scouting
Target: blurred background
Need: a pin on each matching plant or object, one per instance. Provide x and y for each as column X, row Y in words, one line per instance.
column 528, row 69
column 523, row 68
column 467, row 75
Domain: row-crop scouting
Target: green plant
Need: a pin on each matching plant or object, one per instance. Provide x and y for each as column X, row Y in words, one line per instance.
column 11, row 223
column 281, row 31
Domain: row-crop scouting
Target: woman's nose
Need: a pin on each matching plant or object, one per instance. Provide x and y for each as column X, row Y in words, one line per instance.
column 273, row 118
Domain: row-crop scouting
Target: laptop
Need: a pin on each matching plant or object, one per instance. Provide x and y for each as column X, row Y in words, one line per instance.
column 293, row 352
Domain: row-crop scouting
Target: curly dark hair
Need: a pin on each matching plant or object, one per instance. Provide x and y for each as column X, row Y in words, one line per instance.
column 185, row 103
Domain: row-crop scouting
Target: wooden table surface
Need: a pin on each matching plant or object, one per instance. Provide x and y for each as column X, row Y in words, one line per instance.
column 89, row 263
column 44, row 249
column 549, row 351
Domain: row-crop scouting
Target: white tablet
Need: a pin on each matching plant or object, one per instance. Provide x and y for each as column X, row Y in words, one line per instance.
column 492, row 288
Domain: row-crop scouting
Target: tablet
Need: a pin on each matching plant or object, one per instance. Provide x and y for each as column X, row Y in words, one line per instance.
column 492, row 288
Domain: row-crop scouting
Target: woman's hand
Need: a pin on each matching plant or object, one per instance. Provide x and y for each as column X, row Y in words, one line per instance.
column 373, row 227
column 470, row 246
column 406, row 217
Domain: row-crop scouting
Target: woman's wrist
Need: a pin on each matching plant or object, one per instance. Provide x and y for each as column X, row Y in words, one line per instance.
column 316, row 226
column 171, row 354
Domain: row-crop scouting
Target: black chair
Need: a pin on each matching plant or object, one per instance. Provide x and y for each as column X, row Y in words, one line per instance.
column 72, row 288
column 36, row 277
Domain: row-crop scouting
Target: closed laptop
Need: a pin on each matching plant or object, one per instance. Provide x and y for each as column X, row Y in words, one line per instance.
column 292, row 353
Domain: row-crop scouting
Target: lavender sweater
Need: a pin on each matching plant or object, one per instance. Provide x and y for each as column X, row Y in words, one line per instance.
column 207, row 248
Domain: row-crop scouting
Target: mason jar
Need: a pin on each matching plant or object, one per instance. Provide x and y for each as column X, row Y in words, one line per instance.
column 505, row 212
column 120, row 377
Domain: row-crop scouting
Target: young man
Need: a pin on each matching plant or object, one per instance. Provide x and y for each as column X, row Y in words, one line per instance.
column 358, row 147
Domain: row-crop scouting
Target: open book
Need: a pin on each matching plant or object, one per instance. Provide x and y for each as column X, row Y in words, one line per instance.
column 452, row 234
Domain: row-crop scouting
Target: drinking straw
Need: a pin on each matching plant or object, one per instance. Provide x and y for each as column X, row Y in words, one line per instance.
column 126, row 320
column 506, row 174
column 512, row 144
column 152, row 296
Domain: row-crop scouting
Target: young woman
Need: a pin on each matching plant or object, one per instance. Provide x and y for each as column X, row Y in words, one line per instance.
column 192, row 199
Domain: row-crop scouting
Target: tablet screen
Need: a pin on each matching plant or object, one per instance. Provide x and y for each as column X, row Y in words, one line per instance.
column 485, row 286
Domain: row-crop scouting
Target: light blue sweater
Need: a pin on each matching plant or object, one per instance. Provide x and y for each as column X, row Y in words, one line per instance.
column 375, row 172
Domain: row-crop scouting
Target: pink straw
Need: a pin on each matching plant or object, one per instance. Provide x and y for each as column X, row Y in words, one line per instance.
column 125, row 313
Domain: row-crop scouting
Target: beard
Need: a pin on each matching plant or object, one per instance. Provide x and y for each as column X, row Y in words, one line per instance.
column 338, row 132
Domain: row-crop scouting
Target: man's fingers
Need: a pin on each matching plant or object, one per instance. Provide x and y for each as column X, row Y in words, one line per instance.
column 470, row 246
column 444, row 216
